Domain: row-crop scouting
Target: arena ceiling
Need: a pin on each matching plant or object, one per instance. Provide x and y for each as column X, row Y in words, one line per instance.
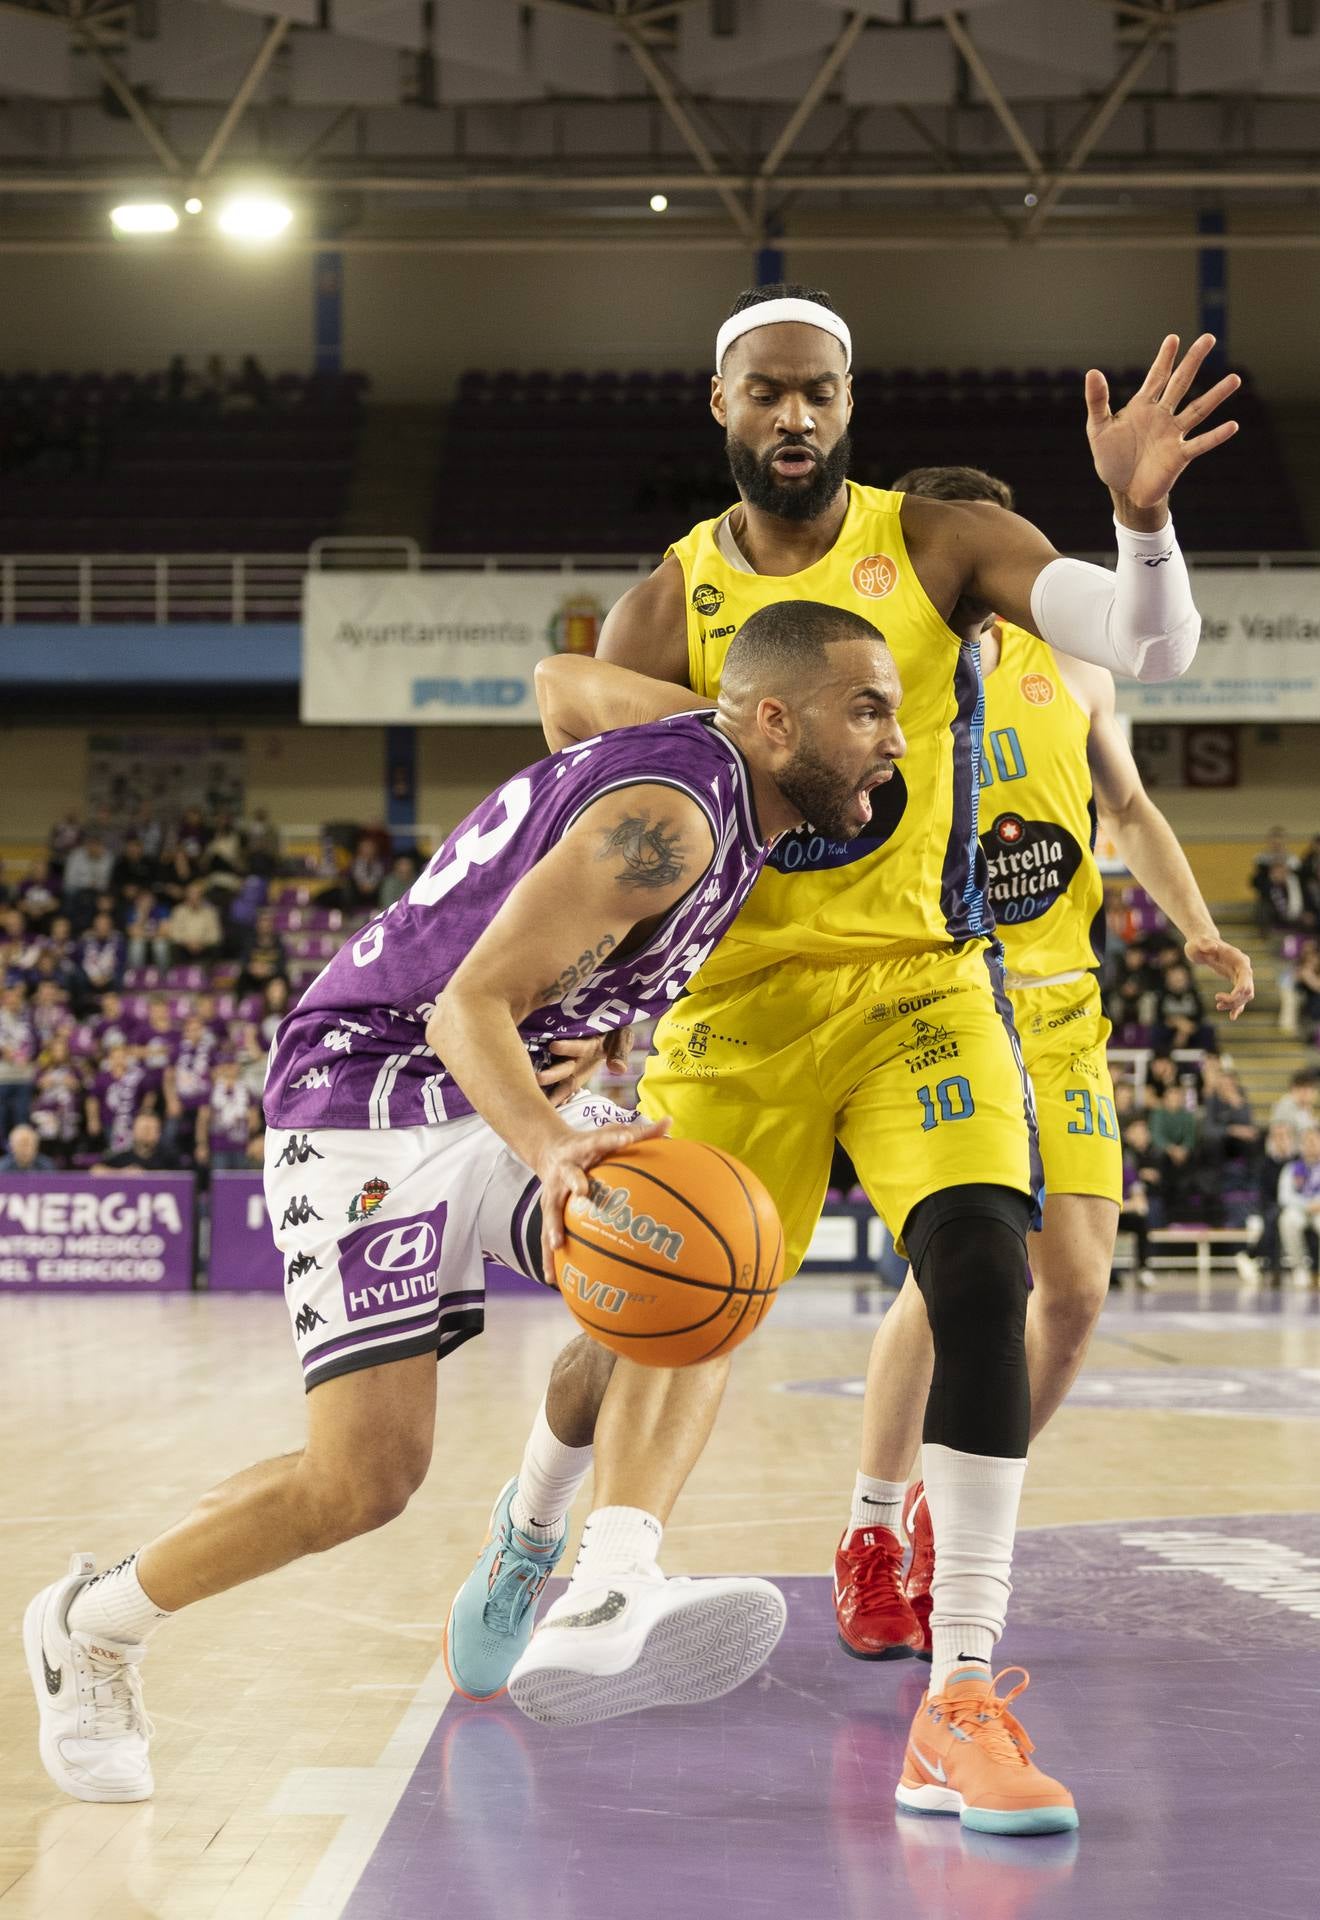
column 529, row 124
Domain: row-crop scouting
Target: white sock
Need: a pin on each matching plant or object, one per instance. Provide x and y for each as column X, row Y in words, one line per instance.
column 548, row 1480
column 114, row 1606
column 973, row 1500
column 878, row 1503
column 617, row 1540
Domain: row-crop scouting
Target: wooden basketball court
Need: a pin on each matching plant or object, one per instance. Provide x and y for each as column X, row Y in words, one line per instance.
column 310, row 1761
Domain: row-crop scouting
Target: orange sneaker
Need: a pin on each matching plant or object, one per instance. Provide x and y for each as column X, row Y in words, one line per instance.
column 921, row 1573
column 967, row 1754
column 875, row 1621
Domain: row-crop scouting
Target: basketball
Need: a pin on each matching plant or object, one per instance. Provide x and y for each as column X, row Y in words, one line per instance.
column 675, row 1254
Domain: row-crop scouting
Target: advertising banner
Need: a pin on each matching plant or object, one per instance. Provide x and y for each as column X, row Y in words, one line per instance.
column 243, row 1255
column 1259, row 657
column 442, row 648
column 88, row 1233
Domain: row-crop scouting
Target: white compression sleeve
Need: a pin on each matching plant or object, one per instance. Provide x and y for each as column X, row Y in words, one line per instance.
column 1140, row 620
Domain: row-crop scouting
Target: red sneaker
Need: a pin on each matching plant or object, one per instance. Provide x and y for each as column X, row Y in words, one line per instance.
column 916, row 1587
column 875, row 1621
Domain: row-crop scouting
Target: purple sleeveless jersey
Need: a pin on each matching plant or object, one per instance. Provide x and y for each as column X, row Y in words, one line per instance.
column 353, row 1052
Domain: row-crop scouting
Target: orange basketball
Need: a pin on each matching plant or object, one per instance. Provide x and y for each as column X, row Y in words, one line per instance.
column 675, row 1254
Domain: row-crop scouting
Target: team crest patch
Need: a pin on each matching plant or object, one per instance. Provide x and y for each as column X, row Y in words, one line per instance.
column 875, row 576
column 1037, row 688
column 367, row 1198
column 707, row 599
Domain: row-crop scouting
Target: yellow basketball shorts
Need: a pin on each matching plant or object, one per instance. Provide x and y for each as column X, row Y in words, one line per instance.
column 1064, row 1036
column 911, row 1062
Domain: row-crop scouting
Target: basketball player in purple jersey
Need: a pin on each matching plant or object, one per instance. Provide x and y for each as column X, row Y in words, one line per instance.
column 407, row 1129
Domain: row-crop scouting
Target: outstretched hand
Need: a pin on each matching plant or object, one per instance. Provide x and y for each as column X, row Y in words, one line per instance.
column 1231, row 964
column 1140, row 451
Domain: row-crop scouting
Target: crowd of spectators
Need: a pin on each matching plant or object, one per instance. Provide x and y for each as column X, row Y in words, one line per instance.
column 143, row 972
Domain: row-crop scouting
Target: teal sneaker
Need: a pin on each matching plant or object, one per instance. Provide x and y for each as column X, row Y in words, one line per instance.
column 494, row 1611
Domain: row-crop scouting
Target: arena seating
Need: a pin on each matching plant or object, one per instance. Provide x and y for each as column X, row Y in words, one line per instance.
column 96, row 464
column 609, row 462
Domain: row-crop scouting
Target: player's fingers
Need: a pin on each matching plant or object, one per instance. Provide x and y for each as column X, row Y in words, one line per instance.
column 1097, row 398
column 1205, row 442
column 1198, row 410
column 561, row 1070
column 1160, row 368
column 1182, row 376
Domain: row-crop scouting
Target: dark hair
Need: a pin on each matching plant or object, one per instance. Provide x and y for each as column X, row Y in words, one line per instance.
column 779, row 643
column 779, row 290
column 955, row 483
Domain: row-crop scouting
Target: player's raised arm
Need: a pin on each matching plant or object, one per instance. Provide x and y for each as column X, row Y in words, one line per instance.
column 622, row 866
column 1151, row 852
column 1139, row 620
column 580, row 697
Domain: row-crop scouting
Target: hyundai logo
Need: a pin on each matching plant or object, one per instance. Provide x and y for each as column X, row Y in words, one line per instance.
column 411, row 1247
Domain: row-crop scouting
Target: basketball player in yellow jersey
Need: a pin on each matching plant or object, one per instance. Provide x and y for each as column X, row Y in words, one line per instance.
column 803, row 1023
column 1052, row 756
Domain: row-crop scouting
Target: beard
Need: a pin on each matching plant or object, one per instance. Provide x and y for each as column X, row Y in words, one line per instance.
column 760, row 486
column 822, row 794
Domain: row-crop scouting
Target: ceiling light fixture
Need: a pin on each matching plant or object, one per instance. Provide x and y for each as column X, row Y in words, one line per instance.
column 254, row 216
column 659, row 202
column 144, row 216
column 192, row 204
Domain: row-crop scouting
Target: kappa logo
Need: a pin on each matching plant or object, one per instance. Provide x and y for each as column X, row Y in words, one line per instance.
column 338, row 1041
column 609, row 1207
column 307, row 1318
column 298, row 1150
column 1037, row 689
column 367, row 1198
column 707, row 599
column 300, row 1264
column 314, row 1077
column 875, row 576
column 298, row 1213
column 404, row 1249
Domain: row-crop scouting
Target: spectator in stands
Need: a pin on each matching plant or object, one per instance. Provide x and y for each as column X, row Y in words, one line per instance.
column 1180, row 1012
column 1230, row 1138
column 1306, row 981
column 1299, row 1208
column 262, row 842
column 158, row 1049
column 223, row 860
column 38, row 903
column 1174, row 1134
column 1143, row 1182
column 251, row 1057
column 99, row 956
column 48, row 1006
column 191, row 1083
column 275, row 1004
column 1279, row 1150
column 25, row 1155
column 57, row 1100
column 227, row 1120
column 87, row 874
column 178, row 871
column 398, row 880
column 193, row 929
column 204, row 1006
column 144, row 1151
column 363, row 882
column 17, row 1058
column 1276, row 851
column 264, row 958
column 1308, row 872
column 134, row 870
column 1282, row 904
column 147, row 944
column 117, row 1094
column 64, row 837
column 1296, row 1109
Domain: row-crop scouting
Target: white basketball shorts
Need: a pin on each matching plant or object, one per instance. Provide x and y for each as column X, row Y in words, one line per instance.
column 384, row 1233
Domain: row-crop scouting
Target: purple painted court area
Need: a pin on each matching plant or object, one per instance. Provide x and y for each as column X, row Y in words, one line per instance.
column 1176, row 1674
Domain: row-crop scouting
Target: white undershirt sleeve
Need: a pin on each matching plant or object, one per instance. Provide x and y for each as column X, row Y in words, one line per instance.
column 1139, row 621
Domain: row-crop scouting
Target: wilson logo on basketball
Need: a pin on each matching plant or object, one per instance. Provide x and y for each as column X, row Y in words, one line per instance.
column 875, row 576
column 1037, row 688
column 608, row 1207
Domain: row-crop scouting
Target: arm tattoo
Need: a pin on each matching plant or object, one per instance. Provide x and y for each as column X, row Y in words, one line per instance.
column 652, row 854
column 573, row 976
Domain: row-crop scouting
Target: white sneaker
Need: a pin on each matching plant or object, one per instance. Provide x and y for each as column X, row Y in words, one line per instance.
column 1301, row 1278
column 639, row 1640
column 1145, row 1279
column 1248, row 1269
column 94, row 1728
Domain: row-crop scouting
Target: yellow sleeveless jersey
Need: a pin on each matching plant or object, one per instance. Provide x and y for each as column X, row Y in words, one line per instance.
column 914, row 880
column 1037, row 815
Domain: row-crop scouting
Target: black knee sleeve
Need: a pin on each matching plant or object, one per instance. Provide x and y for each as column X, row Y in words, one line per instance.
column 968, row 1248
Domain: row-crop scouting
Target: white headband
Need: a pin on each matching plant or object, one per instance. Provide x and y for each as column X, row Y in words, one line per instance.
column 772, row 313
